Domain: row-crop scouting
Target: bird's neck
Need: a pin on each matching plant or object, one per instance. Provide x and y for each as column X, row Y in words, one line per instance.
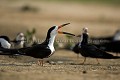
column 20, row 41
column 50, row 42
column 84, row 39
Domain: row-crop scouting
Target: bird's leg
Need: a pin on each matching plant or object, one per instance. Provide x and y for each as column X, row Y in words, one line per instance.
column 84, row 60
column 97, row 61
column 40, row 62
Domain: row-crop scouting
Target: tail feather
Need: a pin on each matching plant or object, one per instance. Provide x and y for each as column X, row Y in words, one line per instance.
column 110, row 57
column 9, row 51
column 116, row 57
column 21, row 51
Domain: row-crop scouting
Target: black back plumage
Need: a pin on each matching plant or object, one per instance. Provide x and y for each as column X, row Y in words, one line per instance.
column 89, row 50
column 92, row 51
column 113, row 46
column 110, row 43
column 5, row 37
column 37, row 51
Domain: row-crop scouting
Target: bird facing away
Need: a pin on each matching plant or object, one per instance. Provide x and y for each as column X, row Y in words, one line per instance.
column 89, row 50
column 43, row 50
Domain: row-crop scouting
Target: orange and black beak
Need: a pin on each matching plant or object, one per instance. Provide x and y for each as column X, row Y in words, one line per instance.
column 63, row 25
column 60, row 32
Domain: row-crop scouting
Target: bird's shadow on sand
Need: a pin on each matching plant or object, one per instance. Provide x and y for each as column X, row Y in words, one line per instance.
column 84, row 64
column 12, row 64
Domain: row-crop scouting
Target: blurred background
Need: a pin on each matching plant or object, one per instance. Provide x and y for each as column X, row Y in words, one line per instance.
column 102, row 17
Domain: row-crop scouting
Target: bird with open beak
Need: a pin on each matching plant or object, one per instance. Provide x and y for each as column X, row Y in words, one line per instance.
column 45, row 49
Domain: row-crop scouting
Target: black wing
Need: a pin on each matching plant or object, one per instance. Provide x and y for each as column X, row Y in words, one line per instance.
column 93, row 51
column 76, row 48
column 6, row 51
column 37, row 51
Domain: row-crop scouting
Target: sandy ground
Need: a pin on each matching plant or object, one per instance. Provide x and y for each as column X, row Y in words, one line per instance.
column 101, row 20
column 63, row 65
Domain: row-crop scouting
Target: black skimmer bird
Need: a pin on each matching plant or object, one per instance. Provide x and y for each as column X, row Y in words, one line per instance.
column 5, row 46
column 89, row 50
column 5, row 42
column 112, row 45
column 43, row 50
column 19, row 41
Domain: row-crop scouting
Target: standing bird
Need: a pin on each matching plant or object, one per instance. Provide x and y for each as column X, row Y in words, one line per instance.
column 19, row 41
column 5, row 46
column 43, row 50
column 89, row 50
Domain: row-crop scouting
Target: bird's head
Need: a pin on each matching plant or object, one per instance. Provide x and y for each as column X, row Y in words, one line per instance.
column 55, row 29
column 20, row 36
column 85, row 30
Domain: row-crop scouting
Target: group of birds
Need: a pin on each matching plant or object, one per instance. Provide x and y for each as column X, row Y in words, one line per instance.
column 18, row 42
column 87, row 49
column 46, row 49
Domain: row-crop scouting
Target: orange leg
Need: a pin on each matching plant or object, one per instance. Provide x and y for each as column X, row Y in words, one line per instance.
column 40, row 62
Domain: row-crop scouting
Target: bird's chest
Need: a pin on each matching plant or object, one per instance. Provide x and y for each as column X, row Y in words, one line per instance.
column 52, row 49
column 5, row 45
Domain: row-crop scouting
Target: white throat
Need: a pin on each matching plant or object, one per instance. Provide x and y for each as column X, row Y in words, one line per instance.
column 20, row 43
column 51, row 43
column 81, row 39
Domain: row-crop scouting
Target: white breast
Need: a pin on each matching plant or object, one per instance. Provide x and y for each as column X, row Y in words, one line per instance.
column 19, row 45
column 5, row 44
column 51, row 48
